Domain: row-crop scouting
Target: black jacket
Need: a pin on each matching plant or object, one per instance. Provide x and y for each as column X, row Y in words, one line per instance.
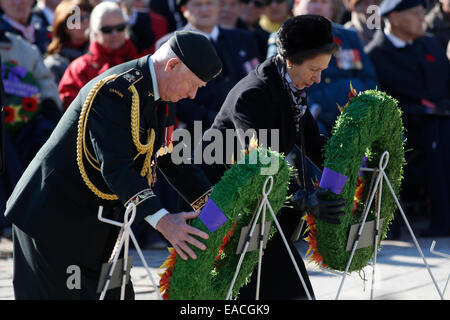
column 51, row 202
column 260, row 101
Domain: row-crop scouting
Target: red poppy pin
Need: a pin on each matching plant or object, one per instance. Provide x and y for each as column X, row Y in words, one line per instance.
column 430, row 57
column 337, row 40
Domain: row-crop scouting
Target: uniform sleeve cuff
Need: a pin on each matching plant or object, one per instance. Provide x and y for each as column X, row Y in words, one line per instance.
column 154, row 218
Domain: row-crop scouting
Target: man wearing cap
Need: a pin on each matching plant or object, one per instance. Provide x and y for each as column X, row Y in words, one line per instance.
column 237, row 49
column 413, row 68
column 104, row 152
column 273, row 97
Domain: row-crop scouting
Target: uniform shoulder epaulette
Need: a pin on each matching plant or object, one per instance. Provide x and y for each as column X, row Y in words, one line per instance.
column 124, row 81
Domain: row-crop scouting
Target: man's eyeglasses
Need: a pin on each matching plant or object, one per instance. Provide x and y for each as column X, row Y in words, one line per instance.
column 109, row 29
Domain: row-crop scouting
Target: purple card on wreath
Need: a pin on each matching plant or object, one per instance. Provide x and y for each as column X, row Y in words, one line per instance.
column 212, row 216
column 332, row 180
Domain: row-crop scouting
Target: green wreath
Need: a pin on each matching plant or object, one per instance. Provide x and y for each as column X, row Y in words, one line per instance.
column 237, row 194
column 368, row 125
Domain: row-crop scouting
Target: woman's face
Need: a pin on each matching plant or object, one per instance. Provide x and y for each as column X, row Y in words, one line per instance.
column 78, row 35
column 309, row 72
column 111, row 33
column 277, row 10
column 251, row 11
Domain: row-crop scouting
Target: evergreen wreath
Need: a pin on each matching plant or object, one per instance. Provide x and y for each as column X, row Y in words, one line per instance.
column 237, row 194
column 369, row 124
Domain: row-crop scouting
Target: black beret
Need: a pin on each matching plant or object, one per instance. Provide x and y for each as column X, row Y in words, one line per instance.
column 388, row 6
column 197, row 53
column 303, row 32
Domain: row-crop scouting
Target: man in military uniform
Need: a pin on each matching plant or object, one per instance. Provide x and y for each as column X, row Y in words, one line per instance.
column 412, row 67
column 103, row 153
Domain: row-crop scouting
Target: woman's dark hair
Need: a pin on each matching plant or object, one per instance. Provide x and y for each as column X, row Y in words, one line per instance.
column 63, row 11
column 304, row 37
column 301, row 56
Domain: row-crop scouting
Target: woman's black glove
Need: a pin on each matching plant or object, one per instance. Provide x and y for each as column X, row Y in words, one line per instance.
column 317, row 204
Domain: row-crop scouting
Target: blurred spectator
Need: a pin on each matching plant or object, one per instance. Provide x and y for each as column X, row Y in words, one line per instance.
column 93, row 3
column 340, row 14
column 146, row 26
column 236, row 48
column 275, row 13
column 359, row 19
column 437, row 22
column 17, row 18
column 109, row 46
column 413, row 68
column 229, row 13
column 69, row 37
column 45, row 9
column 350, row 65
column 31, row 108
column 170, row 9
column 251, row 11
column 448, row 50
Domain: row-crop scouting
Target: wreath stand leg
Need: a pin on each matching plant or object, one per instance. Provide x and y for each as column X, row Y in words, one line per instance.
column 382, row 177
column 262, row 208
column 433, row 244
column 124, row 236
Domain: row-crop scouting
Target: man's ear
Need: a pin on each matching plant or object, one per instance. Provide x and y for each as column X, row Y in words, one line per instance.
column 171, row 64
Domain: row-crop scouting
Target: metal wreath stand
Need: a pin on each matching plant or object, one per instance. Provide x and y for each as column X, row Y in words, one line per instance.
column 381, row 176
column 126, row 232
column 124, row 236
column 264, row 204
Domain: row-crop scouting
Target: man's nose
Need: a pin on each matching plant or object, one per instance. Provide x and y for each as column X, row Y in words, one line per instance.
column 192, row 93
column 316, row 77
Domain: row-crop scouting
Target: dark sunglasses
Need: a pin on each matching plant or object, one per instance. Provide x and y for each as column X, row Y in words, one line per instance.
column 256, row 3
column 109, row 29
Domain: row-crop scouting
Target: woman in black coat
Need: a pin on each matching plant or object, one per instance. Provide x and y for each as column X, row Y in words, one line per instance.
column 273, row 97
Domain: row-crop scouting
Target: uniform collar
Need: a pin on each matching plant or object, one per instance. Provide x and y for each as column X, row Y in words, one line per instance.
column 213, row 35
column 396, row 41
column 151, row 67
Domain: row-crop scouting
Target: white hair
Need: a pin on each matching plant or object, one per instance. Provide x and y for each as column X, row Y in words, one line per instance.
column 164, row 52
column 100, row 10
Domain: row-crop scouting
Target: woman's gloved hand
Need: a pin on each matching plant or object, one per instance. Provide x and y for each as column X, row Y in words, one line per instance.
column 319, row 206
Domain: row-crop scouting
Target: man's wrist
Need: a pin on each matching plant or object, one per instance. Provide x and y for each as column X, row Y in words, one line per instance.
column 154, row 218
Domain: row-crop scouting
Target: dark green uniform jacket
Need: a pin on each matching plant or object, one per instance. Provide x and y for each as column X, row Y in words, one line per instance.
column 51, row 203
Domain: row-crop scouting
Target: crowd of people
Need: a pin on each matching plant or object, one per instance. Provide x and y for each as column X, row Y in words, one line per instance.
column 50, row 49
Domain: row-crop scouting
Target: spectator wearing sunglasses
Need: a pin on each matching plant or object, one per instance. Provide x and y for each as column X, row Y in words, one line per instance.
column 109, row 46
column 275, row 13
column 69, row 40
column 251, row 11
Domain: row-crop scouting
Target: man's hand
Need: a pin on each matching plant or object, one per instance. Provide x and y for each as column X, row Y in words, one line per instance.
column 318, row 205
column 175, row 229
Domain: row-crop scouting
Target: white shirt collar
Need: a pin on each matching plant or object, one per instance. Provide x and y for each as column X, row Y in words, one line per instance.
column 396, row 41
column 213, row 35
column 154, row 80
